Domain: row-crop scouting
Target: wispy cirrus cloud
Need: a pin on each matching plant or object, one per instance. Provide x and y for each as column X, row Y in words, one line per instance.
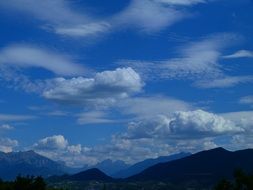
column 148, row 16
column 94, row 117
column 224, row 82
column 198, row 62
column 61, row 18
column 12, row 117
column 145, row 107
column 246, row 100
column 58, row 16
column 195, row 60
column 24, row 56
column 240, row 54
column 182, row 2
column 6, row 127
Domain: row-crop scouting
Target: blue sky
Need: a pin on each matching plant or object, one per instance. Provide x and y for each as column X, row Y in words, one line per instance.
column 86, row 80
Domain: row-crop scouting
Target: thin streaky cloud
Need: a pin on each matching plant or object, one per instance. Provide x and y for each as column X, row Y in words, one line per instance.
column 60, row 17
column 12, row 117
column 31, row 56
column 240, row 54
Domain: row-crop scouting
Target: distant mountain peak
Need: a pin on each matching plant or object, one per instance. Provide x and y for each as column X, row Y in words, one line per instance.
column 140, row 166
column 219, row 149
column 89, row 175
column 28, row 163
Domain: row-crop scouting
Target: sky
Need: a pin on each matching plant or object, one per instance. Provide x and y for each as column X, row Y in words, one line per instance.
column 86, row 80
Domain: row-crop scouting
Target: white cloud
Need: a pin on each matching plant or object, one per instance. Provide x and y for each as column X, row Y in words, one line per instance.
column 181, row 2
column 58, row 16
column 240, row 54
column 243, row 119
column 143, row 107
column 58, row 113
column 196, row 60
column 148, row 16
column 93, row 117
column 10, row 117
column 30, row 56
column 57, row 11
column 247, row 100
column 224, row 82
column 52, row 143
column 190, row 124
column 6, row 127
column 76, row 149
column 7, row 145
column 57, row 147
column 104, row 88
column 242, row 141
column 159, row 135
column 84, row 30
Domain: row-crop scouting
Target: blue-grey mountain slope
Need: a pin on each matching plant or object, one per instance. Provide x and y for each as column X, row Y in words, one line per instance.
column 28, row 163
column 140, row 166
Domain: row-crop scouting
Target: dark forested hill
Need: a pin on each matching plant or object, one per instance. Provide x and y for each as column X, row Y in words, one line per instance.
column 206, row 167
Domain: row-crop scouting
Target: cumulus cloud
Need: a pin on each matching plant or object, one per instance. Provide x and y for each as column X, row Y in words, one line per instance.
column 240, row 54
column 103, row 88
column 190, row 124
column 161, row 135
column 243, row 119
column 54, row 142
column 7, row 145
column 30, row 56
column 57, row 147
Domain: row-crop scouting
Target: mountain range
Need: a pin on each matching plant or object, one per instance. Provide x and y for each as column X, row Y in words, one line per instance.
column 203, row 167
column 140, row 166
column 28, row 163
column 109, row 167
column 31, row 163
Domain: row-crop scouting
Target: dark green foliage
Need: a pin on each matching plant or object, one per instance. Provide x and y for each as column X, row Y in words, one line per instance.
column 223, row 185
column 242, row 181
column 25, row 183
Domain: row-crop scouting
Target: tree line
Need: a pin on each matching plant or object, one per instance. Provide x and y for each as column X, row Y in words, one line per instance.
column 241, row 181
column 25, row 183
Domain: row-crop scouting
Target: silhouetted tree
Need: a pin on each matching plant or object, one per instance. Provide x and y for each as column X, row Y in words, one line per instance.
column 242, row 181
column 224, row 185
column 39, row 184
